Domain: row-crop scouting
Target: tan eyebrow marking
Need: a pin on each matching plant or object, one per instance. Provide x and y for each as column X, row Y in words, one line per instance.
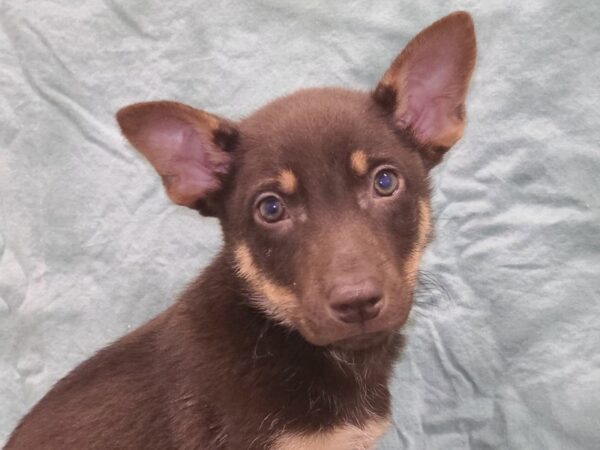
column 358, row 162
column 288, row 182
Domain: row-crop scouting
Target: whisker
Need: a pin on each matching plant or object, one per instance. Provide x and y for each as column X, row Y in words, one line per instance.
column 430, row 291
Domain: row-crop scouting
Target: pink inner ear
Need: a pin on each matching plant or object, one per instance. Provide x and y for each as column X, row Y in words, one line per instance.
column 432, row 78
column 180, row 153
column 178, row 142
column 433, row 99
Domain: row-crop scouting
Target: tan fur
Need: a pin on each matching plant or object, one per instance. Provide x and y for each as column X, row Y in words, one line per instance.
column 358, row 162
column 275, row 300
column 345, row 437
column 411, row 265
column 288, row 182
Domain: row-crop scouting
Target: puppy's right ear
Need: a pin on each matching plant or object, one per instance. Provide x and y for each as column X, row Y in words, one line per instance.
column 190, row 149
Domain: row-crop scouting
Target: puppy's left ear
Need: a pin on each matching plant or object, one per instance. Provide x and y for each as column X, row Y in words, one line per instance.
column 426, row 85
column 189, row 148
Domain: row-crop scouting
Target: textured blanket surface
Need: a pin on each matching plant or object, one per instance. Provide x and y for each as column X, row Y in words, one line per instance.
column 503, row 343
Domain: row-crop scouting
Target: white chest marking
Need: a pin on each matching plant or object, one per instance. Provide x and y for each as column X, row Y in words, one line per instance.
column 346, row 437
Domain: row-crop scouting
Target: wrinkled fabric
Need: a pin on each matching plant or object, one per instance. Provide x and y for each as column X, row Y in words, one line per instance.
column 503, row 341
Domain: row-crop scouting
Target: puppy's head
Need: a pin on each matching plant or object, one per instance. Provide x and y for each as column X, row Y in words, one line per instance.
column 323, row 194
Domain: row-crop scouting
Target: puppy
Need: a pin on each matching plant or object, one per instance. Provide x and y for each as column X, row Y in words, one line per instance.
column 286, row 341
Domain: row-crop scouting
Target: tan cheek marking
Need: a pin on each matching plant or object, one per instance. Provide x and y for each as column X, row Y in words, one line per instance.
column 411, row 266
column 346, row 437
column 277, row 301
column 358, row 162
column 287, row 181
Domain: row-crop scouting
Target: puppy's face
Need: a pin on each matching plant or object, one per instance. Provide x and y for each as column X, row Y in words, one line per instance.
column 327, row 214
column 323, row 194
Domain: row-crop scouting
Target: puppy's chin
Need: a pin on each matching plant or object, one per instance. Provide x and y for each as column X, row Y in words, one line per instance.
column 358, row 339
column 363, row 341
column 353, row 343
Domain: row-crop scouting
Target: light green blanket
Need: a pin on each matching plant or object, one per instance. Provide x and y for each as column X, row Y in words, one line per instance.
column 503, row 348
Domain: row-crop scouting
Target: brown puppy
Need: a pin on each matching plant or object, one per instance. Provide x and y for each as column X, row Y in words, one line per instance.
column 287, row 339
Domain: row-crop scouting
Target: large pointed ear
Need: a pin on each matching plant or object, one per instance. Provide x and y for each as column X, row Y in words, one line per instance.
column 190, row 149
column 426, row 85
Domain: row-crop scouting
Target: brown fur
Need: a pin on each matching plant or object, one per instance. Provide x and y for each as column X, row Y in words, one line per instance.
column 287, row 340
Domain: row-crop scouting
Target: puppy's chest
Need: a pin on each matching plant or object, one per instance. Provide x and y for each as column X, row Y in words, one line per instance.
column 345, row 437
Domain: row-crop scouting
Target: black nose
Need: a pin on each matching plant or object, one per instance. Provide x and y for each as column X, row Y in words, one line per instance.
column 356, row 302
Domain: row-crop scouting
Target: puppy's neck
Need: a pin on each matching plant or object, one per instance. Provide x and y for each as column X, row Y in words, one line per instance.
column 306, row 386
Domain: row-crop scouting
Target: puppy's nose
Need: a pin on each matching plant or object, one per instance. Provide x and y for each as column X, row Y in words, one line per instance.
column 357, row 302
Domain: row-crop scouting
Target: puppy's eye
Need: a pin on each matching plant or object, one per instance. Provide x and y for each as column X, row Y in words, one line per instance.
column 271, row 209
column 385, row 182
